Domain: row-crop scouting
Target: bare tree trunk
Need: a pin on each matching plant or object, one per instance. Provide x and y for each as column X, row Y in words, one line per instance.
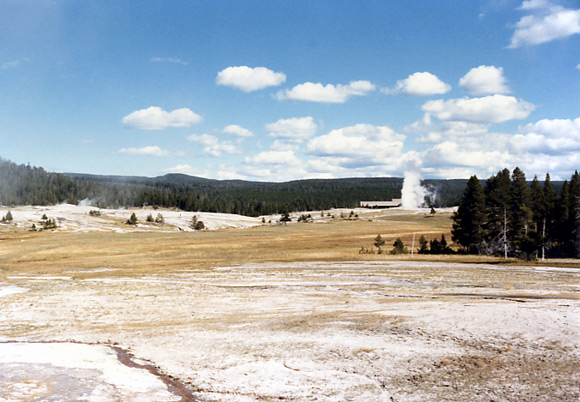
column 544, row 240
column 505, row 233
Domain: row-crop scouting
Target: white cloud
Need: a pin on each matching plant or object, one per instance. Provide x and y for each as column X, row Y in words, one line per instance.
column 436, row 132
column 553, row 137
column 155, row 118
column 182, row 168
column 296, row 128
column 534, row 4
column 451, row 154
column 546, row 24
column 249, row 79
column 316, row 92
column 274, row 158
column 173, row 60
column 213, row 146
column 359, row 146
column 578, row 66
column 238, row 131
column 149, row 150
column 421, row 84
column 484, row 80
column 485, row 110
column 282, row 145
column 203, row 139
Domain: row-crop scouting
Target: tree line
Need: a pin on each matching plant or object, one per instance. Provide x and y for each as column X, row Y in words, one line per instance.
column 509, row 217
column 27, row 185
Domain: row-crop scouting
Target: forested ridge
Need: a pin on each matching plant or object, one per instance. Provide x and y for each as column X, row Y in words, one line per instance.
column 29, row 185
column 510, row 217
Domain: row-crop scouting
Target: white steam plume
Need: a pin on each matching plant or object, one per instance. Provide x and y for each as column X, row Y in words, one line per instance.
column 413, row 193
column 87, row 203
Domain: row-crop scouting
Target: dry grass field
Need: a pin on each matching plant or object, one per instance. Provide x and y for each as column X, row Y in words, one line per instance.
column 290, row 312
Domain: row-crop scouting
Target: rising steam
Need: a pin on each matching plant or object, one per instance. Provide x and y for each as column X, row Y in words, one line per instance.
column 413, row 193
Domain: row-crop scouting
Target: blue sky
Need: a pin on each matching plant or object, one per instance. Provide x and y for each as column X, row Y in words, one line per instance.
column 281, row 90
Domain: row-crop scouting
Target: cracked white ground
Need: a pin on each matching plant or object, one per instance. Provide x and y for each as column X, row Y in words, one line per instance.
column 310, row 331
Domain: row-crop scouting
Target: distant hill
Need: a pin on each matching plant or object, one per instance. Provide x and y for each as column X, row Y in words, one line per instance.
column 26, row 185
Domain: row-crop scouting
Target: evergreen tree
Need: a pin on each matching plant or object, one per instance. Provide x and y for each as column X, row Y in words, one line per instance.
column 574, row 214
column 520, row 214
column 132, row 220
column 549, row 218
column 423, row 245
column 399, row 247
column 379, row 242
column 497, row 198
column 537, row 204
column 470, row 218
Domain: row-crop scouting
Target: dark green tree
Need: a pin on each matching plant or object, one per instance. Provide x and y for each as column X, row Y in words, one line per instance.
column 497, row 198
column 399, row 247
column 574, row 214
column 423, row 245
column 470, row 219
column 132, row 220
column 520, row 213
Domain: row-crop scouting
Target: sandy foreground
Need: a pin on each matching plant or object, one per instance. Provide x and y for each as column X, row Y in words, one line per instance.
column 312, row 331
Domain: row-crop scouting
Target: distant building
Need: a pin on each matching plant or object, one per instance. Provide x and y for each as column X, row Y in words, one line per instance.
column 396, row 202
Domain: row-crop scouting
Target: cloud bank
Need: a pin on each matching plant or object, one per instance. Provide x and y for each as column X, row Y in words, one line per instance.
column 155, row 118
column 485, row 110
column 316, row 92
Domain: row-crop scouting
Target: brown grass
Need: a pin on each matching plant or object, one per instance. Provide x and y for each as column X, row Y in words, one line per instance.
column 338, row 240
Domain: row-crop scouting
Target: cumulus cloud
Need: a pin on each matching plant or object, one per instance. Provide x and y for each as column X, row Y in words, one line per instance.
column 553, row 137
column 546, row 23
column 273, row 158
column 436, row 132
column 484, row 80
column 155, row 118
column 421, row 84
column 449, row 153
column 249, row 79
column 485, row 110
column 296, row 128
column 359, row 146
column 213, row 146
column 149, row 150
column 316, row 92
column 463, row 156
column 238, row 131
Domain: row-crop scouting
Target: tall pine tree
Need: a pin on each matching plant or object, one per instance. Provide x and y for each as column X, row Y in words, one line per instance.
column 497, row 198
column 520, row 214
column 470, row 219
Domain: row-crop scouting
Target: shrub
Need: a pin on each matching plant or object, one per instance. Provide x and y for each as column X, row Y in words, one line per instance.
column 132, row 220
column 49, row 224
column 196, row 224
column 160, row 219
column 399, row 247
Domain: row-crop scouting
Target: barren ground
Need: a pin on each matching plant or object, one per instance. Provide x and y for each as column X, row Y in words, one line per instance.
column 291, row 313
